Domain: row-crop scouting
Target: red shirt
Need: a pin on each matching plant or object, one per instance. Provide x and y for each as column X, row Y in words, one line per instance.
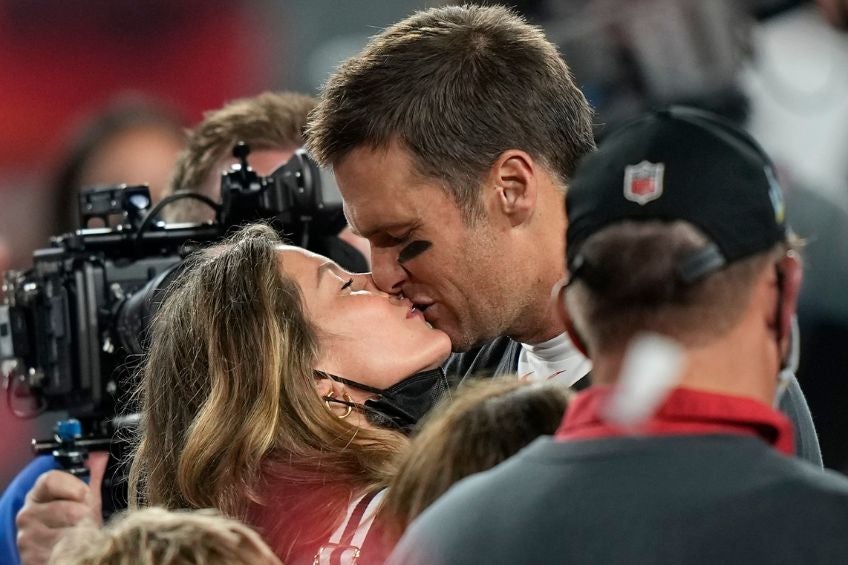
column 684, row 412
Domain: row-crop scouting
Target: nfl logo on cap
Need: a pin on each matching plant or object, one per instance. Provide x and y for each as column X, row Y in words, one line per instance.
column 643, row 182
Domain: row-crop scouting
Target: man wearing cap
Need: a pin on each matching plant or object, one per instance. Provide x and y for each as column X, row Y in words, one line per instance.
column 682, row 292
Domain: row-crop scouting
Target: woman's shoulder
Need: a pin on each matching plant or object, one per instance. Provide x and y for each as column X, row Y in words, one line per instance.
column 360, row 534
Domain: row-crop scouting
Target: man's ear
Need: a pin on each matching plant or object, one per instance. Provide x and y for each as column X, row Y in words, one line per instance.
column 791, row 274
column 514, row 178
column 558, row 297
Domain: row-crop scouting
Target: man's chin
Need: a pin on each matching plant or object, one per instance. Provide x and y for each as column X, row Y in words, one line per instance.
column 462, row 339
column 462, row 342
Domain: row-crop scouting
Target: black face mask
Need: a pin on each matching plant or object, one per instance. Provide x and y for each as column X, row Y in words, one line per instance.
column 403, row 404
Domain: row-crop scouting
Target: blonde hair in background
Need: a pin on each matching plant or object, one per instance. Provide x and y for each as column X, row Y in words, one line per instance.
column 228, row 394
column 488, row 421
column 155, row 536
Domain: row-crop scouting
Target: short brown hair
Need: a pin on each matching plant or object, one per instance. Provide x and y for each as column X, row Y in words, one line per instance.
column 488, row 421
column 637, row 262
column 456, row 86
column 272, row 120
column 155, row 536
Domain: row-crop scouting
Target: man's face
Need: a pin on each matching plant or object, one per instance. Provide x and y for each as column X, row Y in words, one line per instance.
column 456, row 274
column 140, row 155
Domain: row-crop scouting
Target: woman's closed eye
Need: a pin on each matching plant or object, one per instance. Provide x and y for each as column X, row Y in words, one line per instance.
column 347, row 284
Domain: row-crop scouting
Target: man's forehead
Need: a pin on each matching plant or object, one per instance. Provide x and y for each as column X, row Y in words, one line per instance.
column 381, row 188
column 367, row 229
column 371, row 214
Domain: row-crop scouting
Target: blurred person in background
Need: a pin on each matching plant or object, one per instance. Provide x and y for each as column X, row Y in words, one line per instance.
column 486, row 422
column 272, row 125
column 133, row 140
column 155, row 536
column 683, row 285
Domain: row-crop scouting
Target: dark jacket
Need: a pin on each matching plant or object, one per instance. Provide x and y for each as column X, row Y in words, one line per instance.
column 500, row 357
column 711, row 499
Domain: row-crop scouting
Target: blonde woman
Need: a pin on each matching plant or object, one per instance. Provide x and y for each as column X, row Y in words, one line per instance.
column 258, row 392
column 278, row 389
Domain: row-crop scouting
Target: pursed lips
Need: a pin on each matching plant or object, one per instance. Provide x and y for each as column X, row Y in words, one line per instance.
column 420, row 304
column 414, row 312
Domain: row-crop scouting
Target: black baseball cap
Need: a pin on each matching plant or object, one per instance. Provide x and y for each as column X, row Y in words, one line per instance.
column 679, row 164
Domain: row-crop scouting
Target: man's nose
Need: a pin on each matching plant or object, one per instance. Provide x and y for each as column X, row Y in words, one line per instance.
column 388, row 274
column 371, row 286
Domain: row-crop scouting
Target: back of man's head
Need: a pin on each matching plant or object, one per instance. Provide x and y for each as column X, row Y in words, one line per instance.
column 456, row 86
column 671, row 223
column 270, row 121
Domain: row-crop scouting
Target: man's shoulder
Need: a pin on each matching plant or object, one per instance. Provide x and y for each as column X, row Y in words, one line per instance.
column 812, row 482
column 554, row 486
column 494, row 358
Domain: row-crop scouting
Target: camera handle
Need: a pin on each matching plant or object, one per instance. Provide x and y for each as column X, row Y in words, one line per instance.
column 69, row 447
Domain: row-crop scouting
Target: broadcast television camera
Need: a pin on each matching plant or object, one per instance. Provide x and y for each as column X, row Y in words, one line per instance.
column 72, row 327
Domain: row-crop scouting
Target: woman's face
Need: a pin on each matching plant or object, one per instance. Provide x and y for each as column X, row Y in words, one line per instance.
column 365, row 334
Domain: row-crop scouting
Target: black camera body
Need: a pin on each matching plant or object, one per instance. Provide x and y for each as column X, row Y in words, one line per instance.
column 72, row 327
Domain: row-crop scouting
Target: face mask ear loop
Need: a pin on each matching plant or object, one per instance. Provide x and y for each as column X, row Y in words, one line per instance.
column 349, row 383
column 778, row 315
column 793, row 356
column 788, row 361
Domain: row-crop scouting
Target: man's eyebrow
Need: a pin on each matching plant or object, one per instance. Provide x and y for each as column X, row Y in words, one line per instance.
column 381, row 228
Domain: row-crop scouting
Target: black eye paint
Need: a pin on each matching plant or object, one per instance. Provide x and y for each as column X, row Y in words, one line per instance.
column 413, row 250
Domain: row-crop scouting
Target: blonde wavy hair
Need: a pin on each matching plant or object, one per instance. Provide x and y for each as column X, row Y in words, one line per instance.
column 228, row 398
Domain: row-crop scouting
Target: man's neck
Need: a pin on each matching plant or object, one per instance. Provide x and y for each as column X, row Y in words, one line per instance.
column 547, row 326
column 719, row 368
column 544, row 249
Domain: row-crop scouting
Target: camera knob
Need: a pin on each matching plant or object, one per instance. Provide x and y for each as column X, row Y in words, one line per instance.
column 70, row 429
column 241, row 150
